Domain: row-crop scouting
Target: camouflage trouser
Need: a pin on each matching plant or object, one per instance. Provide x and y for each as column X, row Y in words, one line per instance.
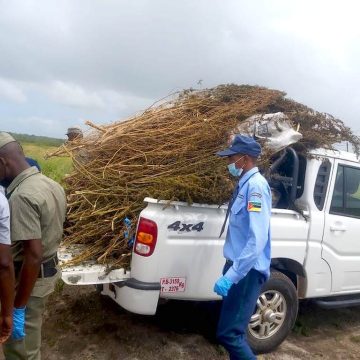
column 29, row 347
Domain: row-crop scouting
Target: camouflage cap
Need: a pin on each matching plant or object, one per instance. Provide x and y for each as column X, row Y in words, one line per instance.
column 74, row 130
column 5, row 139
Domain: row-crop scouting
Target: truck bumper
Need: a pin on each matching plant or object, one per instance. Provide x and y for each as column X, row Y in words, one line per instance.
column 134, row 295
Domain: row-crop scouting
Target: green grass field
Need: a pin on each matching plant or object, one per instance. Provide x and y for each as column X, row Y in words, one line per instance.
column 55, row 168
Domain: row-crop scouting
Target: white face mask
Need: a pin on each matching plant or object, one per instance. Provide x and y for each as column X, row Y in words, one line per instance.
column 233, row 170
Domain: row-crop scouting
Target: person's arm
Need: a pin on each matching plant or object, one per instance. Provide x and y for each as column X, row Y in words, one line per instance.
column 32, row 258
column 259, row 209
column 7, row 291
column 7, row 277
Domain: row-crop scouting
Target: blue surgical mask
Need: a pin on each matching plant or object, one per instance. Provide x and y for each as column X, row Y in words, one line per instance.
column 233, row 170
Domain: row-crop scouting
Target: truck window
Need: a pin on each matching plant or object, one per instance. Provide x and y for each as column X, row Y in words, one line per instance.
column 346, row 195
column 321, row 184
column 281, row 181
column 301, row 177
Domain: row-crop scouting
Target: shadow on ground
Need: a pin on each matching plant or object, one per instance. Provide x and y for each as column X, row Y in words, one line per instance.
column 81, row 324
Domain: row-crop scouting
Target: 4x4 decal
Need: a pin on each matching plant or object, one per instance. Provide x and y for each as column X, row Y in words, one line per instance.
column 179, row 226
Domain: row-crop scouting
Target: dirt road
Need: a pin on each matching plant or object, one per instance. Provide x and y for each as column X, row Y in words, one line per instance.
column 81, row 325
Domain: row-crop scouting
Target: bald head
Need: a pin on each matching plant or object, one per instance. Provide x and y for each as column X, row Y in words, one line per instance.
column 12, row 162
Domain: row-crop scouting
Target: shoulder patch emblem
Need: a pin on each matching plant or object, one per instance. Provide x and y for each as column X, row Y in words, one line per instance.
column 254, row 206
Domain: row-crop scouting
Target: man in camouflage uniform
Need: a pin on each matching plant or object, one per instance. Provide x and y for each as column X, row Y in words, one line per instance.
column 75, row 137
column 74, row 133
column 38, row 208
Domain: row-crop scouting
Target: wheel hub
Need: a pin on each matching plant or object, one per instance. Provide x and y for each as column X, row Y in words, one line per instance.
column 269, row 315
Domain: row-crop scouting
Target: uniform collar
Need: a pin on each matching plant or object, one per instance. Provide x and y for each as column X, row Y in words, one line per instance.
column 247, row 176
column 20, row 178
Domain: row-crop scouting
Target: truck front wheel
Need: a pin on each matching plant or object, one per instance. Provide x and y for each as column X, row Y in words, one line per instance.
column 275, row 314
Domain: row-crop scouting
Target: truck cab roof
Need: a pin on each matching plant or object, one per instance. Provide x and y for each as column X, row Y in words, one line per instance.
column 337, row 154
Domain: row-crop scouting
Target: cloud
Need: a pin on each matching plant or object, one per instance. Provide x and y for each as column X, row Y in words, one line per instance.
column 31, row 125
column 52, row 107
column 74, row 95
column 9, row 90
column 101, row 100
column 107, row 60
column 124, row 102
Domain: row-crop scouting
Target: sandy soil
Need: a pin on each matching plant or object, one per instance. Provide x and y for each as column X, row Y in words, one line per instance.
column 81, row 324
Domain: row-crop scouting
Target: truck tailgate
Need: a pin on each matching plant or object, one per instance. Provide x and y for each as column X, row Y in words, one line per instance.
column 88, row 273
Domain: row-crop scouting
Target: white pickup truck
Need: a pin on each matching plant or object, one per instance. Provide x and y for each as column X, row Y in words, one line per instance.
column 315, row 223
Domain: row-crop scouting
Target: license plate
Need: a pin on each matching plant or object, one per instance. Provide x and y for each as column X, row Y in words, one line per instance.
column 172, row 284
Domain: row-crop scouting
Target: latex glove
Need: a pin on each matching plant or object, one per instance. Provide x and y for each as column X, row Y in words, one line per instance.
column 18, row 323
column 222, row 286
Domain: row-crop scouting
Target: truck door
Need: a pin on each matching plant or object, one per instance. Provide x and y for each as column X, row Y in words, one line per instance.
column 341, row 239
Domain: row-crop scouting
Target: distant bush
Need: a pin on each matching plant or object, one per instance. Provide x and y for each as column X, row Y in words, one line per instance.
column 39, row 140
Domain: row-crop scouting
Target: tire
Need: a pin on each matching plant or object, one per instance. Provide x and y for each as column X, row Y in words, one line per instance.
column 275, row 314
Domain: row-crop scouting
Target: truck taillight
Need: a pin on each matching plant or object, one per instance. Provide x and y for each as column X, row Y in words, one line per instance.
column 146, row 237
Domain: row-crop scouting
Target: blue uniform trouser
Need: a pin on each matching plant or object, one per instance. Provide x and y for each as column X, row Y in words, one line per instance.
column 236, row 311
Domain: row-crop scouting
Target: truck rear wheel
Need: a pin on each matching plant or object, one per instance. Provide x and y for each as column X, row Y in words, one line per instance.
column 275, row 314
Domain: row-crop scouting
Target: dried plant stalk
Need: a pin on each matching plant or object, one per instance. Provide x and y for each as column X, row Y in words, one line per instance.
column 168, row 152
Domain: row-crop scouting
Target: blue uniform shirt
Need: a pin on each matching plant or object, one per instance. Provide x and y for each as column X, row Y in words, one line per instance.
column 247, row 241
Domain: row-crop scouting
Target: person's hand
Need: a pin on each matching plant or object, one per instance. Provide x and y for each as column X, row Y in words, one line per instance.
column 222, row 286
column 6, row 328
column 18, row 331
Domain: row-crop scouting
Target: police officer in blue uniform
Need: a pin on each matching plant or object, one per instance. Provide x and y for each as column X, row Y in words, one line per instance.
column 247, row 247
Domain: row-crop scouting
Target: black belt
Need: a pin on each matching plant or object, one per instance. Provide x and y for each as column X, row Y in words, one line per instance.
column 47, row 268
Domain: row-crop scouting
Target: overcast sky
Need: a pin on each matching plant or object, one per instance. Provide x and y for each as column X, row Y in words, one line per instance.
column 64, row 62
